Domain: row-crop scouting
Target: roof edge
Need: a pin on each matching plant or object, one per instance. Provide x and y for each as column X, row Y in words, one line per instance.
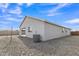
column 22, row 21
column 43, row 21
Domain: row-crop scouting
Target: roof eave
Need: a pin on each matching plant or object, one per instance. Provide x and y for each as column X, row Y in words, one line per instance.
column 22, row 21
column 43, row 21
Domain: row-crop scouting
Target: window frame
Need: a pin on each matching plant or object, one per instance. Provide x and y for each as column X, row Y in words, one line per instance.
column 29, row 29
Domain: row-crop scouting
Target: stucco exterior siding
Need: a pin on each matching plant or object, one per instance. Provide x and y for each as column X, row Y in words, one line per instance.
column 52, row 31
column 24, row 24
column 45, row 29
column 36, row 26
column 68, row 32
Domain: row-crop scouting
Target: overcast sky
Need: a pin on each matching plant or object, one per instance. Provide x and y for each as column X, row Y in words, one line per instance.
column 64, row 14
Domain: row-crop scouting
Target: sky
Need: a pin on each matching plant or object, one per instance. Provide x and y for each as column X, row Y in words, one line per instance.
column 64, row 14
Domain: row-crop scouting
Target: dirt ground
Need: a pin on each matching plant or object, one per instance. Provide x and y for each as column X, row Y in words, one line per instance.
column 18, row 46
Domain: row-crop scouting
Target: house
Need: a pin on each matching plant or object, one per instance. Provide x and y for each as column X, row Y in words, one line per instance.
column 45, row 29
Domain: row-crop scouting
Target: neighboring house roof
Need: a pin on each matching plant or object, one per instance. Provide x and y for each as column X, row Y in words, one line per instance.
column 43, row 21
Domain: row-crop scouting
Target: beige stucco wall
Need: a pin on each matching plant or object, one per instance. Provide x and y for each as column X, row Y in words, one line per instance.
column 36, row 26
column 53, row 31
column 47, row 31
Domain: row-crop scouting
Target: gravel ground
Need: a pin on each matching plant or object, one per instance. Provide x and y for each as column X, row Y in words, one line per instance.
column 18, row 46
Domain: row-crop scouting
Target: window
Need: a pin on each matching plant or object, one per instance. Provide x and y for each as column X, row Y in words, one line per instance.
column 29, row 29
column 23, row 31
column 63, row 30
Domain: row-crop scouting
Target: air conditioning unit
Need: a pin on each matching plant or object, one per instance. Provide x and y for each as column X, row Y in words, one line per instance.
column 36, row 38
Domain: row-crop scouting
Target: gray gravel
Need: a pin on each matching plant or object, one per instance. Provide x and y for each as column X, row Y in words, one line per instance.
column 18, row 46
